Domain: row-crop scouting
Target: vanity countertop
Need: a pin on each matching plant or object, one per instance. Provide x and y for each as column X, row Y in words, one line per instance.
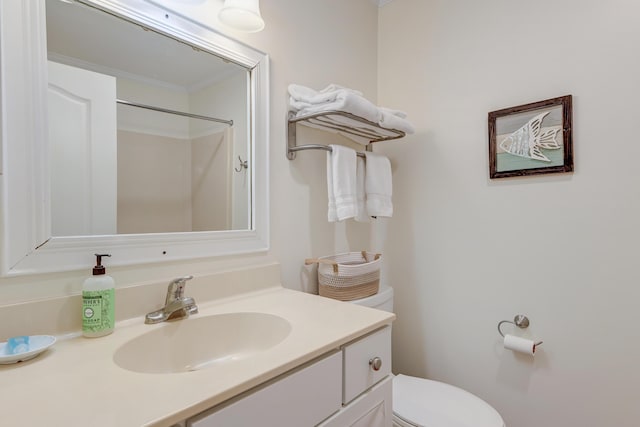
column 77, row 383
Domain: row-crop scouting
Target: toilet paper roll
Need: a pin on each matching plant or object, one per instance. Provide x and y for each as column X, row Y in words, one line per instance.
column 519, row 344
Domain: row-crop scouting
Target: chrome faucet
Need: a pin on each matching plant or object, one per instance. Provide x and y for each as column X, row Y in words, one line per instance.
column 176, row 306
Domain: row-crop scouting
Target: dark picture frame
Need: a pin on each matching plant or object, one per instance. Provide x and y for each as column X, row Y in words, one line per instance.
column 531, row 139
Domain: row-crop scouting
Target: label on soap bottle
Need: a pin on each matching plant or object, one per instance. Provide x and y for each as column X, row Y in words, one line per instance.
column 98, row 310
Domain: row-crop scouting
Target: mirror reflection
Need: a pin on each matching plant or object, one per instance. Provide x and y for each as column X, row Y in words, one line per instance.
column 146, row 134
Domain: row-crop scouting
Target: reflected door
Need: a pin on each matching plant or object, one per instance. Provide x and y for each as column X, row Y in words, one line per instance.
column 83, row 144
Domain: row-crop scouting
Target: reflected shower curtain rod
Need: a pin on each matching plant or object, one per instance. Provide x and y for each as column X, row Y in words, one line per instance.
column 179, row 113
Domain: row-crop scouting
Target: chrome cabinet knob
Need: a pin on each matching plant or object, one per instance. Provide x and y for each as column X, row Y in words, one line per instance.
column 375, row 363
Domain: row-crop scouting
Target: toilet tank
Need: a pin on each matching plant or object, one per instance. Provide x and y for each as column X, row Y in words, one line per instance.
column 383, row 300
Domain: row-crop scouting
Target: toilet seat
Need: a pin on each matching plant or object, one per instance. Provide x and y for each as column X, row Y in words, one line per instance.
column 399, row 422
column 427, row 403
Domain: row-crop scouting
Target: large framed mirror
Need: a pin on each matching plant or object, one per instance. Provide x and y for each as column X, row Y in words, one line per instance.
column 143, row 135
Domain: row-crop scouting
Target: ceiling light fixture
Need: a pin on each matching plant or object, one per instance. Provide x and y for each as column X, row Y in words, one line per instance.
column 242, row 15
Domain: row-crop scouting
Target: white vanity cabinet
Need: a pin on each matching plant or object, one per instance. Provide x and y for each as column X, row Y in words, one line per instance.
column 350, row 387
column 302, row 398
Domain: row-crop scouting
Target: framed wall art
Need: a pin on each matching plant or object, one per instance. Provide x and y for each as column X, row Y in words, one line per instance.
column 531, row 139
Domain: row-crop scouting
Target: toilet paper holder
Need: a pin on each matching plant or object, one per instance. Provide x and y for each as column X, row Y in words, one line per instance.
column 520, row 320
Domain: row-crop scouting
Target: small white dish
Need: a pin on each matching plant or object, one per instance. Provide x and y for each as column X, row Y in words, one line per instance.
column 37, row 344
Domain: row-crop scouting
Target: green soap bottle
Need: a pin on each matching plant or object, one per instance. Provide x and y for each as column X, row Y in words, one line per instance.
column 98, row 302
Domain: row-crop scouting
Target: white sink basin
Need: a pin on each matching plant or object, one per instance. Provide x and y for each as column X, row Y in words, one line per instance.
column 202, row 342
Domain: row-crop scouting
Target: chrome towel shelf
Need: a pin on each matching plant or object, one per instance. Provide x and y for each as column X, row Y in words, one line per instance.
column 338, row 122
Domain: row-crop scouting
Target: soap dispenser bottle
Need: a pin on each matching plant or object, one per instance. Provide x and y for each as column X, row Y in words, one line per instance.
column 98, row 302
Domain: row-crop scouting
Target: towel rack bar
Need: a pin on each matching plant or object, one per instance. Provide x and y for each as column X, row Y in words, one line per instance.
column 318, row 147
column 357, row 131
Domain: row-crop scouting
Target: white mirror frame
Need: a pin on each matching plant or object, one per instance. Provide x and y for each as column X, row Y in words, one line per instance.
column 25, row 227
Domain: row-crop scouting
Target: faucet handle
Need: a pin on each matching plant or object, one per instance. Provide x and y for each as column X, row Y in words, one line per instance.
column 182, row 279
column 176, row 288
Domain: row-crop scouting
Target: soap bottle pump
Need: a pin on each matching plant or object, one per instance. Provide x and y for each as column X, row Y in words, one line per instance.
column 98, row 302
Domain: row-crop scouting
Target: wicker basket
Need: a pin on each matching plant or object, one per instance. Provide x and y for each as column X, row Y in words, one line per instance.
column 348, row 276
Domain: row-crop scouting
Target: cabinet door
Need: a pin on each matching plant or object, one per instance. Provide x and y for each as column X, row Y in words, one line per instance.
column 303, row 398
column 359, row 375
column 371, row 409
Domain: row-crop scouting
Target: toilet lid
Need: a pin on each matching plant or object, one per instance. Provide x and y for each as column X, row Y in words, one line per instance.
column 430, row 403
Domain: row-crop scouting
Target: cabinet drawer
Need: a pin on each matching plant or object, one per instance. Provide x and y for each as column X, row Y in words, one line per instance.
column 359, row 375
column 303, row 398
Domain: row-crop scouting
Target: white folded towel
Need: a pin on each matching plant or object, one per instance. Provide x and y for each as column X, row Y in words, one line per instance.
column 390, row 120
column 361, row 197
column 344, row 101
column 378, row 186
column 304, row 95
column 305, row 101
column 398, row 113
column 341, row 183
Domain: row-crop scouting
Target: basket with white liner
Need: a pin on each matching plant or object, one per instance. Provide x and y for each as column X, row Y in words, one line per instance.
column 348, row 276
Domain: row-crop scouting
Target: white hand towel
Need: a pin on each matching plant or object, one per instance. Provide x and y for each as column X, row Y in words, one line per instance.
column 361, row 197
column 341, row 183
column 378, row 186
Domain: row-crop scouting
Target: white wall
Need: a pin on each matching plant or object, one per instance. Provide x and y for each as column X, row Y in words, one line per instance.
column 154, row 183
column 458, row 254
column 141, row 120
column 210, row 182
column 228, row 100
column 159, row 181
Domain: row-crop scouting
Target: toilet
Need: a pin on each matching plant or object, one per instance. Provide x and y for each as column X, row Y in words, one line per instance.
column 418, row 402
